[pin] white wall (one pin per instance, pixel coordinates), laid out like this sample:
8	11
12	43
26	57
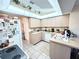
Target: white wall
74	20
60	21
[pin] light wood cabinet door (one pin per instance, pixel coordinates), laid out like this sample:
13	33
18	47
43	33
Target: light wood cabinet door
58	51
35	37
61	21
34	22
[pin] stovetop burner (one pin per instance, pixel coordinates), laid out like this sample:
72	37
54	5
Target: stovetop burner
9	50
17	57
13	52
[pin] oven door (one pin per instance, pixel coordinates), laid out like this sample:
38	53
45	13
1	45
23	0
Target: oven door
74	53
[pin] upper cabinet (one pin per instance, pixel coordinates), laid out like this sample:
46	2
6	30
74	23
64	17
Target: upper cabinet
34	22
61	21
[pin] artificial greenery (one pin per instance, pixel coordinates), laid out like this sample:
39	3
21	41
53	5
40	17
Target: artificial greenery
39	12
24	6
16	1
31	2
29	7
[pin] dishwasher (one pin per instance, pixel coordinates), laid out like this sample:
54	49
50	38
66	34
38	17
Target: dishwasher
74	53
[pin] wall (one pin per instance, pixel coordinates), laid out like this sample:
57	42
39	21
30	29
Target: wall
25	28
34	22
60	21
74	20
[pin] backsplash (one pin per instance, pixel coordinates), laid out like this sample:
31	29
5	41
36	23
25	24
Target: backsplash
48	29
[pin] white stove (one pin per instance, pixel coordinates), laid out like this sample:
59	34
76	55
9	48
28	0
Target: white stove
13	52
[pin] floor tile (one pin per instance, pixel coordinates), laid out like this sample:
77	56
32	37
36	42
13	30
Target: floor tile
38	51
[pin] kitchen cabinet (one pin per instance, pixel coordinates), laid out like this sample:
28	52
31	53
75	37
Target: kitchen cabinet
58	51
61	21
34	22
35	37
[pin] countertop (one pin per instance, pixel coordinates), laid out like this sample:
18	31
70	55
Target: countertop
73	43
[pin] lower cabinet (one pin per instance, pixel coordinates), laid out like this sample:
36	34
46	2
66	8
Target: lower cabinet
59	51
35	37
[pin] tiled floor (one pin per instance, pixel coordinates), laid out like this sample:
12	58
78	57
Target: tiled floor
38	51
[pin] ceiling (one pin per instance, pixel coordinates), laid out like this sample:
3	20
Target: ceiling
43	4
47	8
66	5
77	2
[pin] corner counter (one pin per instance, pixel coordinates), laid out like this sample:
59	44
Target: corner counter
60	49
